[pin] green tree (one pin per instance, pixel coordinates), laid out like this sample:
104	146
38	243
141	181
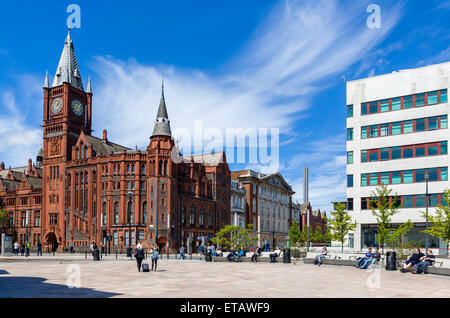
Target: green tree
317	235
340	224
295	234
235	237
4	220
440	222
383	209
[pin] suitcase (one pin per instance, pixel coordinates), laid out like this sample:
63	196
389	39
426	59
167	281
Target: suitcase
145	267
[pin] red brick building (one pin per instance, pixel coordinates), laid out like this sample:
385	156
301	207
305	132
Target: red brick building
93	189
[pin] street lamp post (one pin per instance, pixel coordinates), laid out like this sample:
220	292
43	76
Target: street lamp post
426	213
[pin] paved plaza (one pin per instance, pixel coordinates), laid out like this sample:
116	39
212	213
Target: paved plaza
192	279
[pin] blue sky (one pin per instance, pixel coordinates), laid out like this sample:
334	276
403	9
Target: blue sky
231	64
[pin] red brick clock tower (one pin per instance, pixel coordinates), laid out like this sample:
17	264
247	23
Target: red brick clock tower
67	112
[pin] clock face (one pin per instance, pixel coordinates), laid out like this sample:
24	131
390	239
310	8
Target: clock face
77	107
56	106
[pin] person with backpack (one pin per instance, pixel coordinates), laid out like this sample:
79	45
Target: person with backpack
155	257
139	255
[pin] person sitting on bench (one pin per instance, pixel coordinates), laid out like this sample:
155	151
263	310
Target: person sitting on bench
321	256
363	259
274	255
231	255
241	253
425	261
256	253
412	260
374	258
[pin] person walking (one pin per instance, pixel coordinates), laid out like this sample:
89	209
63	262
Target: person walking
155	257
182	254
16	248
91	248
139	255
22	250
27	248
39	249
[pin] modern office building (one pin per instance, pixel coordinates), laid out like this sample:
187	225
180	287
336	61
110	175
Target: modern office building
397	135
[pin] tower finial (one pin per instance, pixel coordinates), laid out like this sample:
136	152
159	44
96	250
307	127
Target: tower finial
46	81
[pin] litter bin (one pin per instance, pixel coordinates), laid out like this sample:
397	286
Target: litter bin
96	255
129	251
391	261
286	256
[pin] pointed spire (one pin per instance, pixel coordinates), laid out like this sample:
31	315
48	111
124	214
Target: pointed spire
162	123
46	81
67	70
89	87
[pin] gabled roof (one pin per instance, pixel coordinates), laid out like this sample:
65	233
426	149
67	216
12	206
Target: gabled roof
210	159
68	70
9	185
103	148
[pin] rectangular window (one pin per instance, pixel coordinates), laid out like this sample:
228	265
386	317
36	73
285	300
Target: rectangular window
349	111
350	181
396	177
432	98
363	155
408	127
373	156
396	128
350	134
420	201
432	151
432	174
373	108
408	201
420	125
384	130
443	121
384	106
420	151
407	153
408	176
396	103
432	123
444	174
364	109
384	178
407	102
443	96
363	180
443	147
363	203
420	175
364	132
396	153
373	179
350	157
420	100
384	154
373	131
433	200
115	238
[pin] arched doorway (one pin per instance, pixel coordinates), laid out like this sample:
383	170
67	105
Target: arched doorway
52	241
162	242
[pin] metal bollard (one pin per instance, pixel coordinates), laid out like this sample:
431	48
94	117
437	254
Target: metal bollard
145	254
191	257
85	254
116	254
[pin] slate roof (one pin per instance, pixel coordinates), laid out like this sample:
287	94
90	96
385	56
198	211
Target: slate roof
102	148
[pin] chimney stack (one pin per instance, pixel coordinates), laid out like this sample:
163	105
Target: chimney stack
29	166
105	136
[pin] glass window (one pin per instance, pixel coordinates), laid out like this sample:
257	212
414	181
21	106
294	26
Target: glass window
444	121
444	174
373	156
350	181
396	153
396	103
349	111
364	109
396	177
384	105
384	130
373	179
407	153
420	124
373	107
384	178
408	176
432	174
363	180
443	147
408	201
420	175
407	102
373	131
420	201
384	154
433	200
363	155
432	123
396	128
443	96
350	134
350	157
364	132
432	150
408	127
363	203
420	100
432	98
420	151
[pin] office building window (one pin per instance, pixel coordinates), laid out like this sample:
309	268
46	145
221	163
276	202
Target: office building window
349	111
350	134
350	157
350	181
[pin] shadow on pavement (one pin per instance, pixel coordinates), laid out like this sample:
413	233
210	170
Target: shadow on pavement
2	272
31	287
